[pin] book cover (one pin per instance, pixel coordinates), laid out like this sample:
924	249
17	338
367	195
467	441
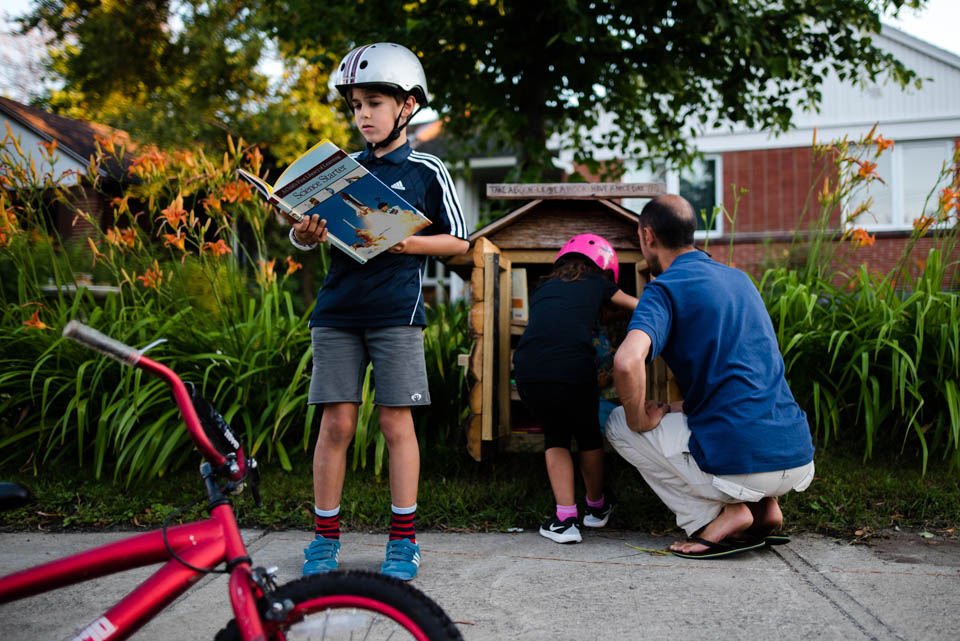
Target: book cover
519	304
364	216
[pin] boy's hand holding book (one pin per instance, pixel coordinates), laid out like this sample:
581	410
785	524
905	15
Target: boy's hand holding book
329	197
311	230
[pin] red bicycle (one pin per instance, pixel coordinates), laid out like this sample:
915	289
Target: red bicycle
338	605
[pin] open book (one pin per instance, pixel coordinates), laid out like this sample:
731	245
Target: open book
364	216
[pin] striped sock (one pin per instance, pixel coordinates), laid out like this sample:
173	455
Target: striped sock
327	523
401	523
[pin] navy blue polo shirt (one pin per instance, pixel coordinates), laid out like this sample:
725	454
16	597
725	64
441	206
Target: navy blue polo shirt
386	290
557	345
714	332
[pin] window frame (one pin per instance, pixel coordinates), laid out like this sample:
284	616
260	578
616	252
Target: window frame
897	191
672	181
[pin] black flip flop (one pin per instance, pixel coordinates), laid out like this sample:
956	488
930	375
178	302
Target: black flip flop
718	550
776	539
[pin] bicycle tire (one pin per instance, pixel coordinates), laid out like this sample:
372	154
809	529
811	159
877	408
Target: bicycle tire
358	600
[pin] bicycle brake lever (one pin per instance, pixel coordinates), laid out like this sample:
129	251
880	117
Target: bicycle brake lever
159	341
254	474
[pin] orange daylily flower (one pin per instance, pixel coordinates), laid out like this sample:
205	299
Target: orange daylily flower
867	169
153	277
293	266
949	199
861	238
883	143
123	237
109	144
96	251
122	204
265	273
922	224
49	147
255	160
185	157
218	248
175	214
35	323
212	203
8	218
150	161
175	240
237	191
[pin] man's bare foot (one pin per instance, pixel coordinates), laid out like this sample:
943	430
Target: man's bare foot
767	518
733	519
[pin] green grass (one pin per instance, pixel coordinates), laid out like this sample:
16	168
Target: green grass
849	498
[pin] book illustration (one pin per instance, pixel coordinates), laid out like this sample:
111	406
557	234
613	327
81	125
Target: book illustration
364	216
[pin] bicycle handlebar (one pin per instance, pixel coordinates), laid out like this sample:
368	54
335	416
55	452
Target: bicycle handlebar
97	341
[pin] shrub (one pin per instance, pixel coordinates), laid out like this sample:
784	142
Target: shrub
185	248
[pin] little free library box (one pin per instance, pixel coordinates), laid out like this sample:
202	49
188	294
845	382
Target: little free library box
506	260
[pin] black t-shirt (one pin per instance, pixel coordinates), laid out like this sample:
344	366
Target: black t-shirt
558	343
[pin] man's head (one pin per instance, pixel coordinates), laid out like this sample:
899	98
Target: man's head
666	226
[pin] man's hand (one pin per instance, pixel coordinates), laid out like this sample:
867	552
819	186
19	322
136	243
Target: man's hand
311	230
651	415
630	377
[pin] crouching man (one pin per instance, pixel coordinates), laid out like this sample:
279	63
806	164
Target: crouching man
741	440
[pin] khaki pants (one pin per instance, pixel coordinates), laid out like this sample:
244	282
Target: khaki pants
696	497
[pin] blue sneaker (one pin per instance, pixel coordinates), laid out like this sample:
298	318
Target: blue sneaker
403	559
322	555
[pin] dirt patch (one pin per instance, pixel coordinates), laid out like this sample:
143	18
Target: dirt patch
911	548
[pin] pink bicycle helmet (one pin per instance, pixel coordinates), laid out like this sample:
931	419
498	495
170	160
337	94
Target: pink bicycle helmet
594	247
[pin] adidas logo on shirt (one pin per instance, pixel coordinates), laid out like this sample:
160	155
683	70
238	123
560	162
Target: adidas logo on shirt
398	185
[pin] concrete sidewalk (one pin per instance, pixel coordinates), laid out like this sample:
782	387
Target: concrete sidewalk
522	586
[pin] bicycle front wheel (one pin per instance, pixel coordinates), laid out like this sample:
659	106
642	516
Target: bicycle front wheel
351	605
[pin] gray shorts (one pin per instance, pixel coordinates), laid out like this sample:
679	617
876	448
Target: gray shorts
341	355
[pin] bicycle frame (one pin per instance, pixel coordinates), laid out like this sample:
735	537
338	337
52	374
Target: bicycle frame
202	544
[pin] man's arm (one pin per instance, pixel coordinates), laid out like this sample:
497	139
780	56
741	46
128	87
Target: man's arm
630	379
438	245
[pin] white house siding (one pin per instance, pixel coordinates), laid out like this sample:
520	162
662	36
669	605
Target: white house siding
65	167
931	112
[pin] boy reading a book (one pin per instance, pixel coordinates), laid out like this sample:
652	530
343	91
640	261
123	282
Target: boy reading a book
374	312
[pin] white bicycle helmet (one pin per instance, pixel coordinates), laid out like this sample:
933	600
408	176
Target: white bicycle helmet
383	63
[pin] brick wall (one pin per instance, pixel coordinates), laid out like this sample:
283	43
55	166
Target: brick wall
879	258
85	198
777	182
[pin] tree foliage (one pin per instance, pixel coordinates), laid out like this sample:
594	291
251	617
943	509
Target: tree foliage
652	73
180	72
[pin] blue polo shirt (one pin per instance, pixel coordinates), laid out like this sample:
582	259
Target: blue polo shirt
712	328
386	290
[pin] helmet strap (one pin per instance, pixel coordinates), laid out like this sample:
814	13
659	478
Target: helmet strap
397	129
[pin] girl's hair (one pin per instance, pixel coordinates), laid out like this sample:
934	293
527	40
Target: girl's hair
573	266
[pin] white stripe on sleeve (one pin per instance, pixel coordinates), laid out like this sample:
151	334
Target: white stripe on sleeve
451	201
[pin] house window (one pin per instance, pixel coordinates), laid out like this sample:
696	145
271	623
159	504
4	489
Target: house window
911	172
700	184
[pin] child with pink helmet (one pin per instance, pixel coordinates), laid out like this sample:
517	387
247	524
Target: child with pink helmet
557	377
